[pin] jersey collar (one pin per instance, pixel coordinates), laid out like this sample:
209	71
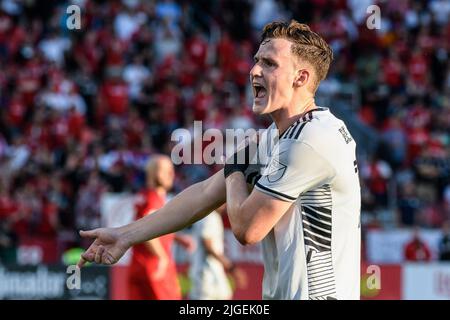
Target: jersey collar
306	117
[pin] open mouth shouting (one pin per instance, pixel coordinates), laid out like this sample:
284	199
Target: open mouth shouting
259	91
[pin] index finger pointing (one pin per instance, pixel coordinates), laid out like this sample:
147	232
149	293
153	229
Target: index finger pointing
81	262
89	234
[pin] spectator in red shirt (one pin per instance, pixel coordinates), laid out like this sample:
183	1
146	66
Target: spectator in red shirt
16	111
28	80
377	173
418	66
241	67
392	70
197	49
114	95
417	249
168	101
7	205
153	274
225	52
75	123
48	224
203	101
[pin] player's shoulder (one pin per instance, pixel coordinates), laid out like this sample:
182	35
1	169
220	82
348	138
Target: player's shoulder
148	192
154	198
316	127
323	127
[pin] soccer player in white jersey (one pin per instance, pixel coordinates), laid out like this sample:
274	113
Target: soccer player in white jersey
209	264
304	207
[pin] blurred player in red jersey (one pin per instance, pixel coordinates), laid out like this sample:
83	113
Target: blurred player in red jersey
153	273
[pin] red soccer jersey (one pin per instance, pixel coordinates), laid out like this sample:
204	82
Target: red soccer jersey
115	96
144	263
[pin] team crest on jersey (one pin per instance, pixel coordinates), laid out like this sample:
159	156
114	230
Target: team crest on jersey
275	170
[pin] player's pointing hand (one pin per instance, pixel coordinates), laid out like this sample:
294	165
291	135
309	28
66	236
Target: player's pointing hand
108	246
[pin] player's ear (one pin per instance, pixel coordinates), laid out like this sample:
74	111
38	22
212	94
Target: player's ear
301	78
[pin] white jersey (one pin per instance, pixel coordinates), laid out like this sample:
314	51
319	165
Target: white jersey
209	280
313	252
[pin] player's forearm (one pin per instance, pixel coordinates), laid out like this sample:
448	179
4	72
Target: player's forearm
191	205
237	193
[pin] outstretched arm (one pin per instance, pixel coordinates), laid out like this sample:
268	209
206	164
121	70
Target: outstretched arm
187	207
191	205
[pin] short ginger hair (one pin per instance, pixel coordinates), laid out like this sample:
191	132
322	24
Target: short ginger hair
306	44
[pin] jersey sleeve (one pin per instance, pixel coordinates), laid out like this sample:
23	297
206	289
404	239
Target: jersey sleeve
294	169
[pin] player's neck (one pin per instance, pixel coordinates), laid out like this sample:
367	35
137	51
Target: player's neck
160	190
285	117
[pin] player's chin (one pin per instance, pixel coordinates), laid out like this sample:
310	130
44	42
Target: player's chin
260	106
168	185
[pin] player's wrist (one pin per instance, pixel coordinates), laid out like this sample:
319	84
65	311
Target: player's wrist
233	166
127	237
238	162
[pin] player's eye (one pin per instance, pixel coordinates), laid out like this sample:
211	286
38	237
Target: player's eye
269	63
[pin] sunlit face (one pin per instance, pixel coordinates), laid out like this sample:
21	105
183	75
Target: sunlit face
165	174
272	76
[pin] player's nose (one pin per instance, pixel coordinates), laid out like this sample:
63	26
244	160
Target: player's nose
256	71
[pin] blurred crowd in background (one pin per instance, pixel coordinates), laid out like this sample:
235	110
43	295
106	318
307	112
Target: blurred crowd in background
81	111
